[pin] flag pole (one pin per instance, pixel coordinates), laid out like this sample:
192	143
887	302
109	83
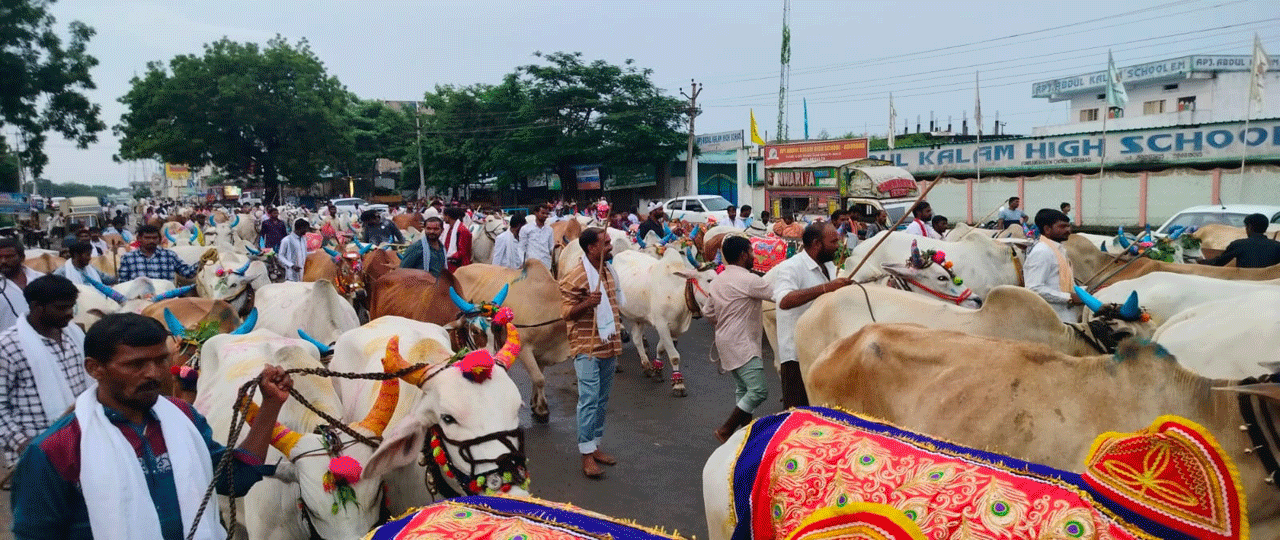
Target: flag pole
977	146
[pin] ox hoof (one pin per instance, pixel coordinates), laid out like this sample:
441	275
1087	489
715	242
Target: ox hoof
678	391
541	418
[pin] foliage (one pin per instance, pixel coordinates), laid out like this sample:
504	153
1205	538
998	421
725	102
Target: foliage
74	189
142	192
254	112
8	171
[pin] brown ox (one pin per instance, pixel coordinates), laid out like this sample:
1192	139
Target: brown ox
534	297
377	262
1029	401
415	294
404	221
1143	266
191	312
44	262
320	266
565	231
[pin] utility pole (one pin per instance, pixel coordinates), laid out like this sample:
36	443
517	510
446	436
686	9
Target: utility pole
694	89
422	177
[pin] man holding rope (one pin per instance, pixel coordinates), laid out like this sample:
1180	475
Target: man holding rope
127	463
1048	270
801	280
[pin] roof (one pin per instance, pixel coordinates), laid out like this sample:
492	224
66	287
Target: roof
881	173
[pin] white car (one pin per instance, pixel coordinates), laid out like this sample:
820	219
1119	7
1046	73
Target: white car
356	205
1229	214
696	208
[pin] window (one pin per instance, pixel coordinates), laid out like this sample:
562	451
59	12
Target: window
1102	96
1088	115
715	204
1117	112
1153	107
1171	86
693	206
1187	103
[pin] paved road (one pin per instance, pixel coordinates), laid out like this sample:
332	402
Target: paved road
661	441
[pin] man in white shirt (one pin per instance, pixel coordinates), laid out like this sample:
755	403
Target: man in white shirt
293	251
506	247
1048	270
537	241
799	281
922	224
77	268
734	220
15	278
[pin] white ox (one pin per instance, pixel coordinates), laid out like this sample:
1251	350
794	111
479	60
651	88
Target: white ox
1029	401
1007	313
272	509
314	308
483	238
96	300
475	421
232	278
1166	294
1227	338
658	294
981	262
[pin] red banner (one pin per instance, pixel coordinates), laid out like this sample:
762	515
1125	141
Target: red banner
778	155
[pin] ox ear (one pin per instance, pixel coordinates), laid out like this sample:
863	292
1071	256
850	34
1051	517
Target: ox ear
400	447
686	274
1272	366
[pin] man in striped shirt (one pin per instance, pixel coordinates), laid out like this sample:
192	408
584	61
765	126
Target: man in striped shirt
590	298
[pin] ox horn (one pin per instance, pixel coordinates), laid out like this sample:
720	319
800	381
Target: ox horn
325	350
330	251
282	438
172	241
212	223
1090	302
105	290
180	291
262	242
688	255
364	248
236	223
175	326
511	349
240	271
1130	310
640	242
1103	246
465	306
1176	232
383	407
1146	233
502	295
252	251
1120	237
393	362
248	324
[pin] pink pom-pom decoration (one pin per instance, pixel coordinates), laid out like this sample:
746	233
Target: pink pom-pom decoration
220	272
939	257
504	315
346	468
477	366
719	268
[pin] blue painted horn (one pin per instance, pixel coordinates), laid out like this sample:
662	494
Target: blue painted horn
252	251
364	248
180	291
262	242
502	295
1090	302
105	290
240	271
1130	311
640	242
236	223
1120	237
1146	233
330	251
1176	231
465	306
211	222
1103	246
325	350
248	324
172	241
689	256
175	326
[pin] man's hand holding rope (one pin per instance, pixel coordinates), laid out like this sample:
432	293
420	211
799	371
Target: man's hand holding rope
275	385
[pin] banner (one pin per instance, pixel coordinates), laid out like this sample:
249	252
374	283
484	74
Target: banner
624	178
719	142
15	203
778	155
179	173
588	177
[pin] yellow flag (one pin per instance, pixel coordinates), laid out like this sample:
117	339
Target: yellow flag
755	131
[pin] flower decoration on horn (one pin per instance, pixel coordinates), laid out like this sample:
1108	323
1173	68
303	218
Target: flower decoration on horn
477	366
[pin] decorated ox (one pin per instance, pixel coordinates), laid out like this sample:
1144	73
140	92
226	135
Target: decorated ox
564	232
1143	266
325	494
665	294
96	300
43	261
1008	313
534	296
982	263
497	517
179	235
1216	236
320	265
233	278
470	413
713	238
377	262
415	294
1223	339
483	239
816	473
572	251
1166	294
315	309
1031	402
191	322
404	221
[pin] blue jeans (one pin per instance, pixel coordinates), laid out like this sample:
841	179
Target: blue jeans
595	379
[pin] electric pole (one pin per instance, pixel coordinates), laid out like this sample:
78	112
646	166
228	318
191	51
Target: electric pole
694	89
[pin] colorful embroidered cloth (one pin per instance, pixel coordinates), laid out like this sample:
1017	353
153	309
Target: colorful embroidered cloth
500	517
1170	481
767	252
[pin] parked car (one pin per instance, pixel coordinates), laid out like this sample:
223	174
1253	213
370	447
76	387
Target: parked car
356	205
1226	214
696	208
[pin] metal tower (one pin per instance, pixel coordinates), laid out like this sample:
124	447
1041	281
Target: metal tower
784	77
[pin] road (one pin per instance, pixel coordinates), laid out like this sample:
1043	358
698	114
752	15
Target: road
661	441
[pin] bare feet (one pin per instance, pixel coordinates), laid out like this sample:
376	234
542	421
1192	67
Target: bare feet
590	467
723	436
603	458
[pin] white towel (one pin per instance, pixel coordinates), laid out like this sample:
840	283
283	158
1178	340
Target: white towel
451	246
604	311
114	488
51	382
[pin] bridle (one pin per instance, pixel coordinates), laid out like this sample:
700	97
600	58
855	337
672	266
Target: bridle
334	447
690	300
1260	425
957	299
509	469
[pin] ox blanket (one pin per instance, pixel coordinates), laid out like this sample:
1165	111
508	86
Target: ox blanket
502	517
809	473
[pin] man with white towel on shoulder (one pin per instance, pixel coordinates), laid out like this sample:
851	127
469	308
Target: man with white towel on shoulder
128	463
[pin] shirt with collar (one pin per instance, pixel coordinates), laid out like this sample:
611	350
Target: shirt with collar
16	304
22	414
538	242
506	251
1253	251
920	228
798	272
736	295
1040	273
160	265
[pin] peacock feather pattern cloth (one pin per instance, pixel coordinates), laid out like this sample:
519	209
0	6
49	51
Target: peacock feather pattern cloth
509	518
823	466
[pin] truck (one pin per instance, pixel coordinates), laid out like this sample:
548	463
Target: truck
84	210
869	186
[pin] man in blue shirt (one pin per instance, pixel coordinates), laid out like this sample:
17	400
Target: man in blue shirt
128	355
151	260
1012	215
413	256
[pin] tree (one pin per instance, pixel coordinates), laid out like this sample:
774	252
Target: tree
256	113
44	80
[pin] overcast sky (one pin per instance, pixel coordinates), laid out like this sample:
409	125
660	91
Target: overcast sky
846	56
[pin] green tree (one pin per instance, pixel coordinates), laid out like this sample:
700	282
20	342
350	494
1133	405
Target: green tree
8	170
43	80
377	131
260	113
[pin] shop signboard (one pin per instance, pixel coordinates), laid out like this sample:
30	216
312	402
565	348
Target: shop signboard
177	173
588	177
15	203
719	142
626	178
778	155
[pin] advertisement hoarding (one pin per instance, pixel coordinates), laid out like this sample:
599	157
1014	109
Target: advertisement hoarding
588	176
778	155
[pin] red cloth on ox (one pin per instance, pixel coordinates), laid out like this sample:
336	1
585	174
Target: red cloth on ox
503	518
315	240
767	252
1168	481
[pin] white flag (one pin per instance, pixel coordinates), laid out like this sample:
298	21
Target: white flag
1259	68
977	105
1116	95
893	121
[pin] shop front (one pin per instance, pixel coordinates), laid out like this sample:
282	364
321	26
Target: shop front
804	178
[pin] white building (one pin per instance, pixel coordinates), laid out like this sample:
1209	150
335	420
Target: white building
1183	91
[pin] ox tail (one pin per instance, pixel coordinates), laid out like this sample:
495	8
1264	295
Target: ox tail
282	438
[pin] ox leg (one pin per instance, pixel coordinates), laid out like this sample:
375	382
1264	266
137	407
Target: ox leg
637	339
537	381
669	345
